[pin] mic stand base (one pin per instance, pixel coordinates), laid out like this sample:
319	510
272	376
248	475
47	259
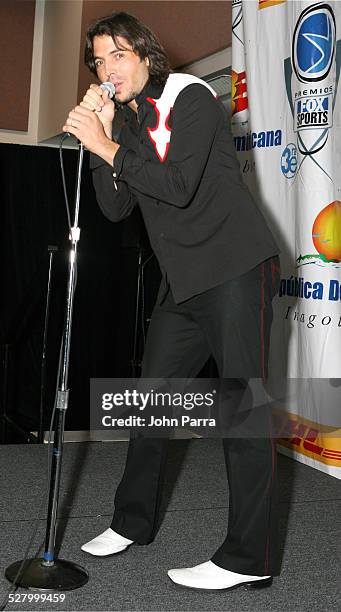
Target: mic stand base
61	575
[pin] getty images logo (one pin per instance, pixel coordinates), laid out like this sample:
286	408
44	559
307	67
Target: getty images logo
313	43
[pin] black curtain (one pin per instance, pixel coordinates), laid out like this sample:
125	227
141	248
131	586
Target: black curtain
32	218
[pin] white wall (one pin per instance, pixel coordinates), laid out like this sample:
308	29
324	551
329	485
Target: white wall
55	66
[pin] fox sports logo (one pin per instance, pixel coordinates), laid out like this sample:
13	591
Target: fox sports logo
314	43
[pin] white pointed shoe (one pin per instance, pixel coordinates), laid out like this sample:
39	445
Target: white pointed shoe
208	576
106	544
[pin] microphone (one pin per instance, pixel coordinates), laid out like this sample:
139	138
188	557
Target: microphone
109	87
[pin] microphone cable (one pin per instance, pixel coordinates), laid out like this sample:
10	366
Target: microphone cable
66	199
143	314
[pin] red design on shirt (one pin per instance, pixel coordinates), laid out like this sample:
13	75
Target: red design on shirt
161	133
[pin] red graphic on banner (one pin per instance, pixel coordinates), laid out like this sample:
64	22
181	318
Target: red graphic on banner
239	92
309	438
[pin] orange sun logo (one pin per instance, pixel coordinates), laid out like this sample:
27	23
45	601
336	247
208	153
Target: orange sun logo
326	232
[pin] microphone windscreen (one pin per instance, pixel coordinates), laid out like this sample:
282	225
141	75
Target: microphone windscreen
109	87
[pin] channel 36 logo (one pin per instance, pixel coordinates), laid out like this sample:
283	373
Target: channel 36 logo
289	161
313	44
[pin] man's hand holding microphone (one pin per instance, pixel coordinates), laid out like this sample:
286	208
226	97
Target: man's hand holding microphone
91	121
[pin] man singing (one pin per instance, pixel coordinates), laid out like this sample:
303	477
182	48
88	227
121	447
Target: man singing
175	159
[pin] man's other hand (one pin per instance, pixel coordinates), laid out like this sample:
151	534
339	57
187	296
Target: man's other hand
96	99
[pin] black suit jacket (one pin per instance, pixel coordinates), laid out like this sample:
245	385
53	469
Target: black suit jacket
202	222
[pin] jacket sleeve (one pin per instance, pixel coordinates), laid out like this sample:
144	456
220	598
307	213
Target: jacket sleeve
195	117
114	197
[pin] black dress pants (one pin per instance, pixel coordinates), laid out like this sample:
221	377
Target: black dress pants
231	321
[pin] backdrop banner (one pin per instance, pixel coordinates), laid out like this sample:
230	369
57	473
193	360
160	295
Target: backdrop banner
286	59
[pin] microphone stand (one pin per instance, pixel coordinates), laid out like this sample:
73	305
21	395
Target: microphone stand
50	573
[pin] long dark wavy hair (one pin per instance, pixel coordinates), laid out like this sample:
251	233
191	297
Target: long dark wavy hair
142	40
